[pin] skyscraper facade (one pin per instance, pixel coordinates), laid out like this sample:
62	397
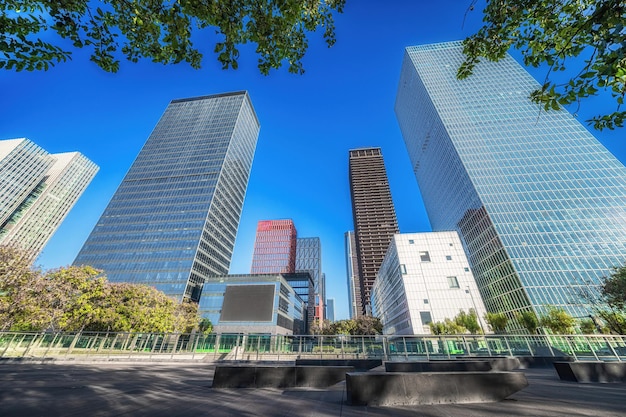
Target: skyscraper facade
539	203
373	213
309	259
34	221
352	272
330	309
37	191
274	247
23	165
173	220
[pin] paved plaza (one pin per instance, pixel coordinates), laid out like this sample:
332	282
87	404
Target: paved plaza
65	388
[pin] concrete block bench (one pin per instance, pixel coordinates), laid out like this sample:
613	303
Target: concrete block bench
268	376
456	365
590	371
541	361
401	388
439	366
359	364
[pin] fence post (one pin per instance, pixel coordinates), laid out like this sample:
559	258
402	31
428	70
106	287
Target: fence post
29	345
508	346
50	346
73	344
8	344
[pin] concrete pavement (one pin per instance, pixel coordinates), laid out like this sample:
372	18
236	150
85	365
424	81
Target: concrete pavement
65	388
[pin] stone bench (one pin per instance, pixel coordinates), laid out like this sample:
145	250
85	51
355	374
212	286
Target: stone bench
401	388
279	376
358	364
438	366
591	371
541	361
458	365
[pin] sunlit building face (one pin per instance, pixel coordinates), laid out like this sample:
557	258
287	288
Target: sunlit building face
539	203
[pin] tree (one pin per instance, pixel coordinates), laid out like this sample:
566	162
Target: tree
558	33
347	327
528	320
80	298
468	321
447	326
497	321
587	326
615	320
613	296
23	292
368	326
558	321
205	326
613	288
162	31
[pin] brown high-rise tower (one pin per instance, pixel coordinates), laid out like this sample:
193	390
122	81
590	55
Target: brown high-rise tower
374	216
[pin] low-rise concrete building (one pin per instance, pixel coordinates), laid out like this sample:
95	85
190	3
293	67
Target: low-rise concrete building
424	278
255	303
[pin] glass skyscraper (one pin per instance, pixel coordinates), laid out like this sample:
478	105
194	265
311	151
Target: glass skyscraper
173	220
352	268
37	191
23	165
309	259
539	203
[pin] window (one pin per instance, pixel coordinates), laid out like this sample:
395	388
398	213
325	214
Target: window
403	268
453	282
425	300
424	256
411	241
448	258
466	269
425	317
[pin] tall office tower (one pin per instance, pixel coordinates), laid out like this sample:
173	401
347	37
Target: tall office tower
309	259
274	247
35	220
330	310
352	271
374	216
23	165
173	220
539	203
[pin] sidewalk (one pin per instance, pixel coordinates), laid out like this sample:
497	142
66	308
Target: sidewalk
183	389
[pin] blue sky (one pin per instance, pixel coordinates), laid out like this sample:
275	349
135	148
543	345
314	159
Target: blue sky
308	123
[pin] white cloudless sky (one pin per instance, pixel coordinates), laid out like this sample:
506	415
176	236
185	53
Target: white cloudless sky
308	123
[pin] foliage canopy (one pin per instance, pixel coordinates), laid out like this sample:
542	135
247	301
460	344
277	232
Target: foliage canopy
613	294
587	35
497	321
558	321
160	30
361	326
460	324
80	298
528	320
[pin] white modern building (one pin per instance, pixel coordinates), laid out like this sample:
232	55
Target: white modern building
37	191
425	277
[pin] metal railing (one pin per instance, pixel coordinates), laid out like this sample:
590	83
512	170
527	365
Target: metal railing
216	347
